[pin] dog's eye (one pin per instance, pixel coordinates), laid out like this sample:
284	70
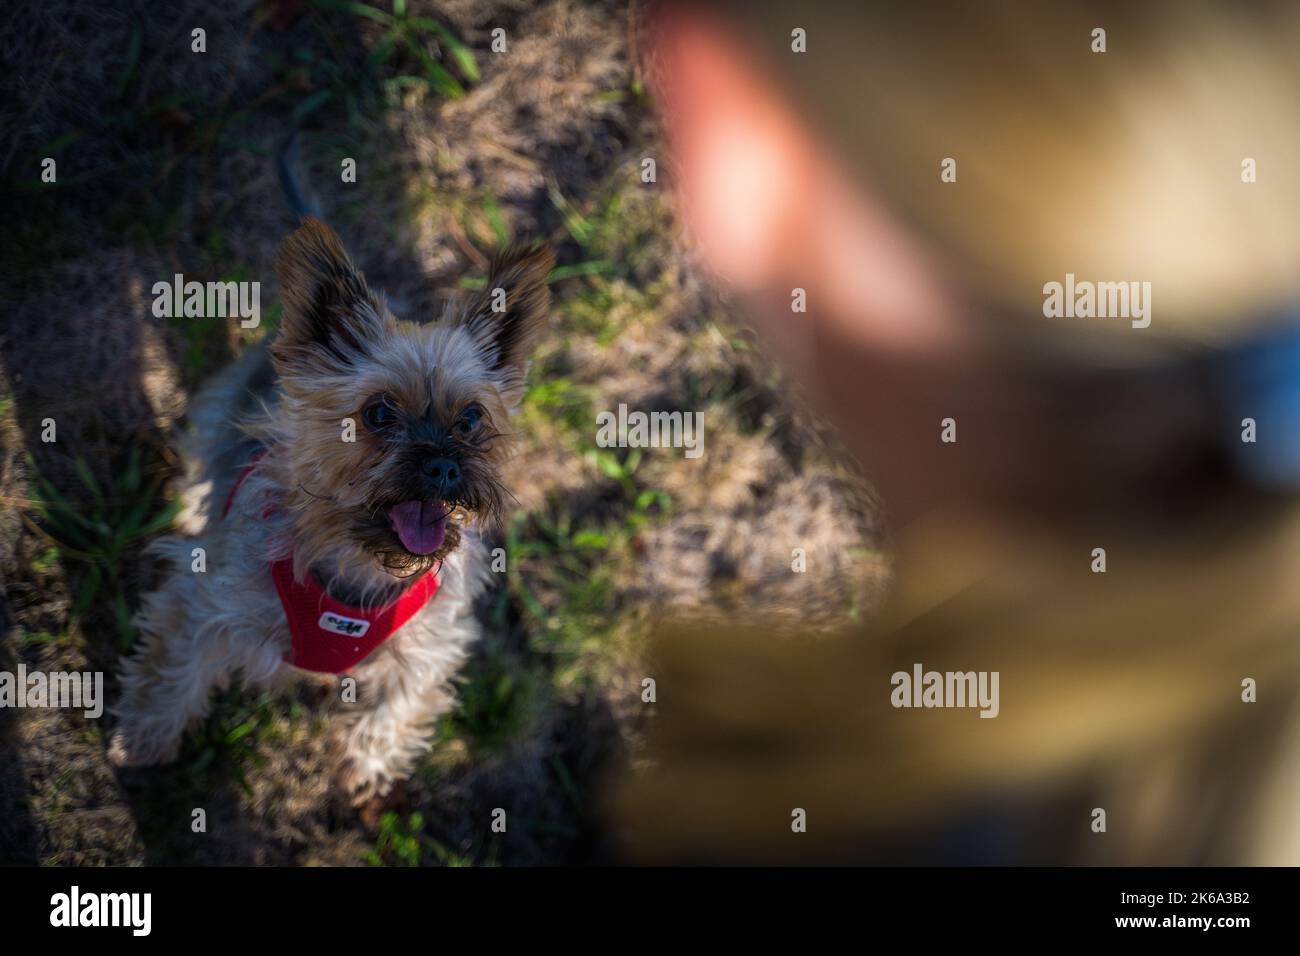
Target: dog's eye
379	415
469	420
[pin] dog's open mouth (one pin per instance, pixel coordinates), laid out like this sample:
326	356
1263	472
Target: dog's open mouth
420	525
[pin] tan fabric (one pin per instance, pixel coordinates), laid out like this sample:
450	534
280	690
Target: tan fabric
1114	682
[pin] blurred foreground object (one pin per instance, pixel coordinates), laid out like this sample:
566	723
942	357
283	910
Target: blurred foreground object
1098	673
1159	686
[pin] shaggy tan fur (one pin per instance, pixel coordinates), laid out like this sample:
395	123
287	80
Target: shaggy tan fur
322	498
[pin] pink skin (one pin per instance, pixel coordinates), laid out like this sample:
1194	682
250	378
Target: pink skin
885	347
421	525
771	209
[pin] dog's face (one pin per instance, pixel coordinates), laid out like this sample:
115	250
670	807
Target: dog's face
397	431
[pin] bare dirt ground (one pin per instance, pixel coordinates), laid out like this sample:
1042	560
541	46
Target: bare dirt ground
166	164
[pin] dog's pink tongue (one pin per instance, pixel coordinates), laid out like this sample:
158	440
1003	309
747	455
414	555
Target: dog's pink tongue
422	525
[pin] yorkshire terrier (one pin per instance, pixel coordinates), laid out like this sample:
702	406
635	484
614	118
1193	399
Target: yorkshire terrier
336	487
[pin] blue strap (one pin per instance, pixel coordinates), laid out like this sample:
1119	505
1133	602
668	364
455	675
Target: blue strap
1261	379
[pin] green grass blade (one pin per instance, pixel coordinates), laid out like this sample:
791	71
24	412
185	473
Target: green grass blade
87	592
311	104
592	267
88	479
460	53
134	45
363	10
162	521
130	481
497	221
439	78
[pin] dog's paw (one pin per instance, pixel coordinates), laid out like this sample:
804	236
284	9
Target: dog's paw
128	750
361	779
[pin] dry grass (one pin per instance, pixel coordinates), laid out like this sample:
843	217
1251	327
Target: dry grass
173	170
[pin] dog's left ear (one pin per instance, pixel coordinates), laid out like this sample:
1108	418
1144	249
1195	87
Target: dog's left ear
507	318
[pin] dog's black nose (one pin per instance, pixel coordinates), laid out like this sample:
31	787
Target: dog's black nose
444	473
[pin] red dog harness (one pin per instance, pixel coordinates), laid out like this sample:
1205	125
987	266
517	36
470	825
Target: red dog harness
329	636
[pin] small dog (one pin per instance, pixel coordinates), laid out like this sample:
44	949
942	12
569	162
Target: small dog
342	522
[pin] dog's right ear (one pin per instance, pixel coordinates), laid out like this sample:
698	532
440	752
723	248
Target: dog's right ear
329	312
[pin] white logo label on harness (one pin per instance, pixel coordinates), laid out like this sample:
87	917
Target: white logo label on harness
347	626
